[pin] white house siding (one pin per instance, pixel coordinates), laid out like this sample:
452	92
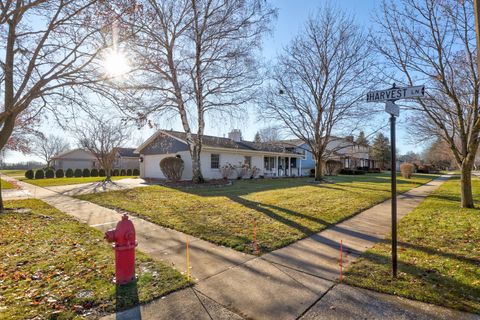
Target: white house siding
150	167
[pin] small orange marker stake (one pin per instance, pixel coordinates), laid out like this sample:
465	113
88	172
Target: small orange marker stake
341	253
255	245
188	261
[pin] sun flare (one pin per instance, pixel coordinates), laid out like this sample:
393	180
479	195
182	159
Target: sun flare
115	64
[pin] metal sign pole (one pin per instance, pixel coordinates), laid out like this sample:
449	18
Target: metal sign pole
394	195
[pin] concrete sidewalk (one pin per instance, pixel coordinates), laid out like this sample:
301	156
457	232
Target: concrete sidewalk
285	284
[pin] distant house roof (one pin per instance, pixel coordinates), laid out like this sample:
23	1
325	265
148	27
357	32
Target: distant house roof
219	142
64	153
127	152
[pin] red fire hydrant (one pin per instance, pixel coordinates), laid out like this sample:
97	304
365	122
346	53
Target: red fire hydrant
124	237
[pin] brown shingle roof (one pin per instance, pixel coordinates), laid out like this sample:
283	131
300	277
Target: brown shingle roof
219	142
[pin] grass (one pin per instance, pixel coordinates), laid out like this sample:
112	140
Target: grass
13	173
438	253
6	184
67	181
54	267
286	210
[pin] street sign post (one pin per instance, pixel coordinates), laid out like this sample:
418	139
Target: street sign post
389	96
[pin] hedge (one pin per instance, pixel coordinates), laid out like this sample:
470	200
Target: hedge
49	174
129	172
86	172
69	173
29	174
94	173
101	173
78	173
59	173
39	174
123	172
136	172
115	173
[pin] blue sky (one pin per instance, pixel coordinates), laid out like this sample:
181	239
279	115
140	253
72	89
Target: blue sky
291	17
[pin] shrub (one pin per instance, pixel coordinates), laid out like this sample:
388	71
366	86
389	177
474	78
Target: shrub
101	173
59	173
312	173
69	173
424	169
227	170
86	172
78	173
129	172
407	170
136	172
29	174
49	173
39	174
352	172
332	167
115	173
94	173
172	168
123	172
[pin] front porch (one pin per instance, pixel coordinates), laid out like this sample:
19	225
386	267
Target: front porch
279	166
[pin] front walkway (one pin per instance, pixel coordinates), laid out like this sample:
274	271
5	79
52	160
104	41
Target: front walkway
296	281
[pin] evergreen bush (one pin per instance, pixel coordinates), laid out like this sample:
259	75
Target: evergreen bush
69	173
94	173
129	172
39	174
115	173
101	173
78	173
136	172
49	173
123	172
29	174
59	173
86	172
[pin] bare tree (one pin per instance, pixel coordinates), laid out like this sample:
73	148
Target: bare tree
270	134
433	43
103	138
199	58
51	53
318	81
46	147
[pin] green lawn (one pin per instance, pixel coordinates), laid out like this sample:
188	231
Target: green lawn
14	173
54	267
6	184
439	253
286	210
66	181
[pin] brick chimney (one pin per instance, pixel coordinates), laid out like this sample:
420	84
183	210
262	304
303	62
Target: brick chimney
235	135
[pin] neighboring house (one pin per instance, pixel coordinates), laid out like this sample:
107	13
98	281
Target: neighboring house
351	154
127	159
271	160
81	159
74	159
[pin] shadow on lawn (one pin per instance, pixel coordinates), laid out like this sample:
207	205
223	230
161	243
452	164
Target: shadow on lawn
440	283
126	296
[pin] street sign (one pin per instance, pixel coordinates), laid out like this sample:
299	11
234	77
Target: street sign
389	96
393	94
392	108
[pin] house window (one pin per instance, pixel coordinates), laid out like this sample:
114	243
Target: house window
248	160
214	161
269	163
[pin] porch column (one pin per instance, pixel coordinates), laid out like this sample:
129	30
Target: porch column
290	166
299	167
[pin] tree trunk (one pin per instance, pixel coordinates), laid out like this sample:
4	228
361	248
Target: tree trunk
466	186
196	166
2	208
318	170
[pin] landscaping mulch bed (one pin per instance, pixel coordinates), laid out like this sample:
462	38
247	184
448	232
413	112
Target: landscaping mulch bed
190	184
